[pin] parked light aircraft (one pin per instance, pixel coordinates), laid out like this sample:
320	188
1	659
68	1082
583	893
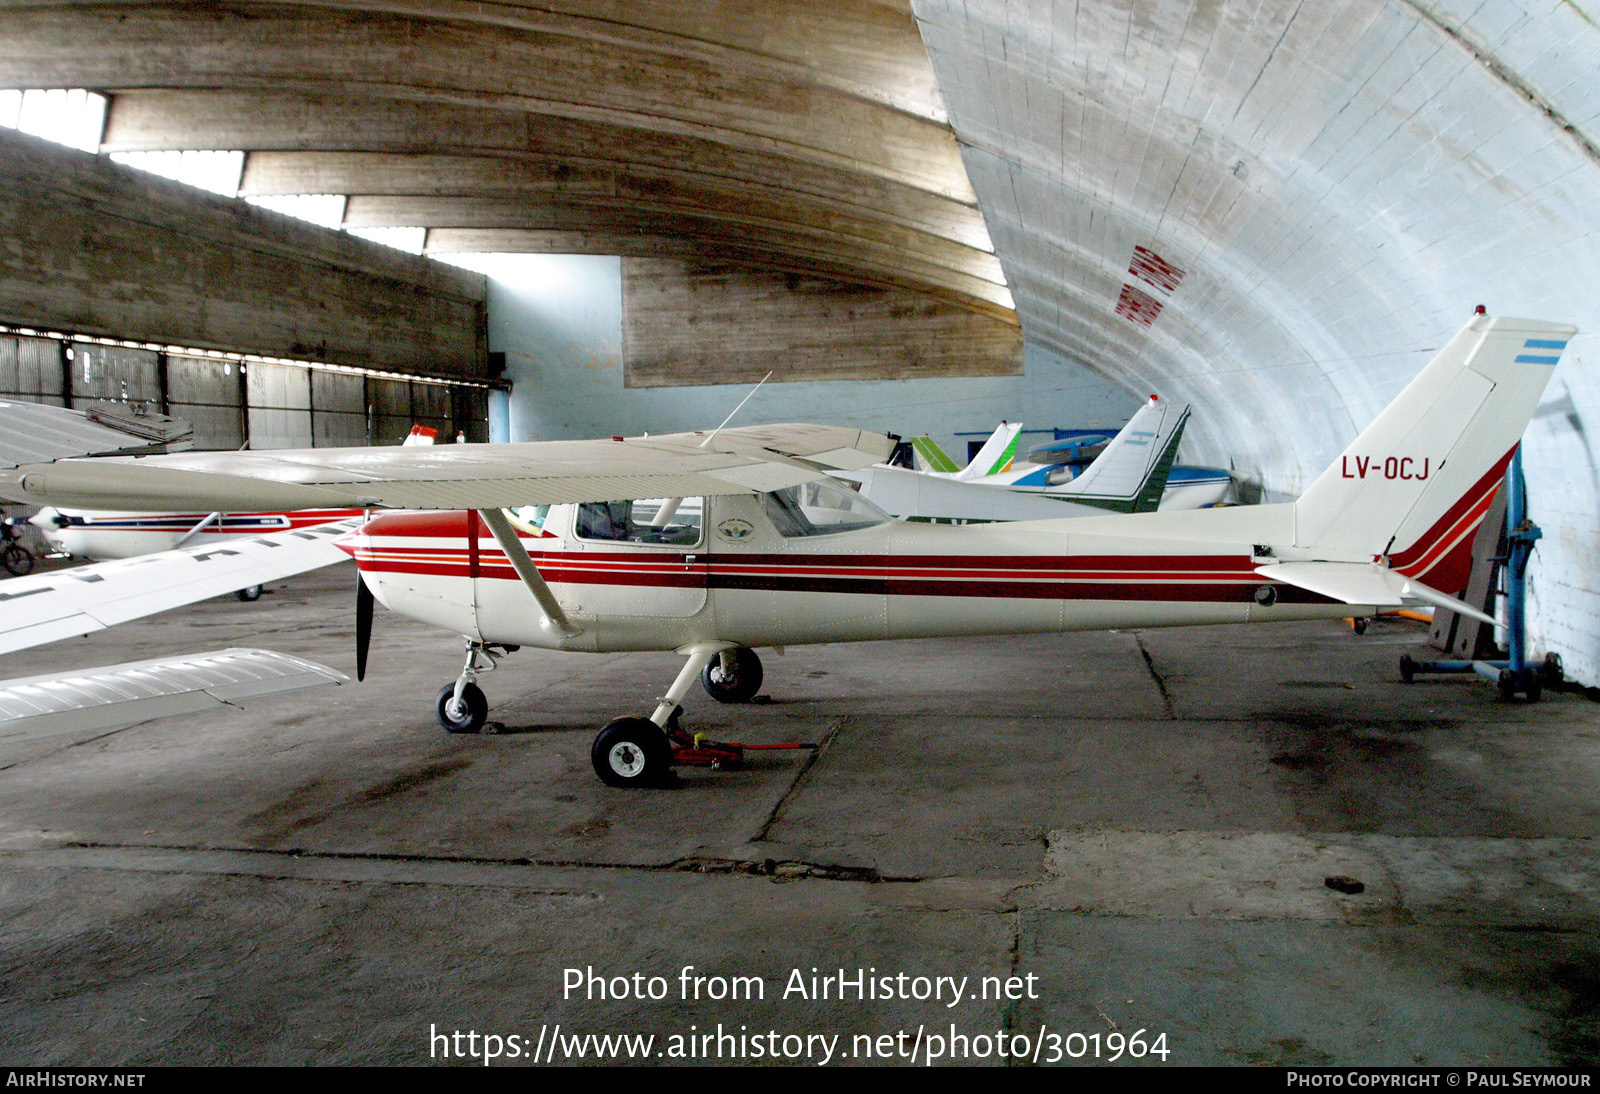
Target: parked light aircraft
1128	476
103	535
1049	470
778	555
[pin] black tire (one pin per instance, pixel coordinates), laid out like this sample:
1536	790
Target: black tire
631	752
17	559
249	594
1532	684
1408	668
1507	683
1359	624
472	698
1550	669
739	683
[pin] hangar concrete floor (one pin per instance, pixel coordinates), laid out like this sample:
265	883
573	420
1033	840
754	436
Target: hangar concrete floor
1142	821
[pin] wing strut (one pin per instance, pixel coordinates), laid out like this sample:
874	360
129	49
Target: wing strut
506	536
196	530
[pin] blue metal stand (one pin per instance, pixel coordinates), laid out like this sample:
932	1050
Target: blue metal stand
1514	674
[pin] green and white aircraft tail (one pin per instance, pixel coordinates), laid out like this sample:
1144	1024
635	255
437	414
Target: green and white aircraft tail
994	457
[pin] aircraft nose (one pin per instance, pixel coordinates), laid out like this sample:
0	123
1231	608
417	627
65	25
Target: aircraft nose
49	521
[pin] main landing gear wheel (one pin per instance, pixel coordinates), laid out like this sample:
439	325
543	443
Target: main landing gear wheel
469	717
631	752
732	676
249	593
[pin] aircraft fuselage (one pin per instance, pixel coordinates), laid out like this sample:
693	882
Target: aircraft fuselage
740	581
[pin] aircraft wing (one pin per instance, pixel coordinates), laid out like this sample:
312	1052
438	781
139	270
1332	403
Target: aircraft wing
47	607
746	460
121	695
35	432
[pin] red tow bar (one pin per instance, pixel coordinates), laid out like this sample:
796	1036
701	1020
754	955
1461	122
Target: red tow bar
697	751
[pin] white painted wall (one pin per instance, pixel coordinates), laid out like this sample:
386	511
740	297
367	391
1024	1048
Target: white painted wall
558	319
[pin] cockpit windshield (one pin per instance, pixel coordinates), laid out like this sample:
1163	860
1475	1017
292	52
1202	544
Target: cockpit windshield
820	509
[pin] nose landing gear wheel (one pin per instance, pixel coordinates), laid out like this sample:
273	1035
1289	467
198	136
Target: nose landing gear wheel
733	676
631	752
473	713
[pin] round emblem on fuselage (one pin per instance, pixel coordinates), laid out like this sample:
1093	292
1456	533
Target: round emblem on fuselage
733	530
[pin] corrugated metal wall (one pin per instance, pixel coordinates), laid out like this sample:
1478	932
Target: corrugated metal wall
232	402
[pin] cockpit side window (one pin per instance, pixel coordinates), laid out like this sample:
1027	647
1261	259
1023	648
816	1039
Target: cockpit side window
820	509
667	522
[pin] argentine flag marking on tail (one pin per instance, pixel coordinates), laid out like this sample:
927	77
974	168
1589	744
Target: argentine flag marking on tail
1541	358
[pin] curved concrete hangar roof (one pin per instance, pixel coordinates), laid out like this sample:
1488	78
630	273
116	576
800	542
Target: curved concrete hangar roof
785	133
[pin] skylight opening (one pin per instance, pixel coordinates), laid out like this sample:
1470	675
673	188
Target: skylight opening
324	209
214	170
70	116
410	240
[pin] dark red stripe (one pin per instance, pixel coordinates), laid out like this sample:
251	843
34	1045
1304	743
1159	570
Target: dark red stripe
1178	591
1430	539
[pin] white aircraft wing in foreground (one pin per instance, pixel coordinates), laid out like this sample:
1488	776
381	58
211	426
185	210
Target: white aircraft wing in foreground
47	607
87	700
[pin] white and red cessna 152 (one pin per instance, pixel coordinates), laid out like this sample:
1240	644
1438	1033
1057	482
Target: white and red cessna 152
714	544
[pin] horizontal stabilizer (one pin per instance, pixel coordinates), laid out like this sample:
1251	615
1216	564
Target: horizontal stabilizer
86	700
1365	583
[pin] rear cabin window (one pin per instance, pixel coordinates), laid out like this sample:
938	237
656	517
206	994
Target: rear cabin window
820	509
669	522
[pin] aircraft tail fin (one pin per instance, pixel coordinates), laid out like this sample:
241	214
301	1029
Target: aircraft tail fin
931	457
1131	474
1414	486
996	453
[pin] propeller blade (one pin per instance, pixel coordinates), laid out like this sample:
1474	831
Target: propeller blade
363	626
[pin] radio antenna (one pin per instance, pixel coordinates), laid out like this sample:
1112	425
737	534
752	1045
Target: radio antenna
736	410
